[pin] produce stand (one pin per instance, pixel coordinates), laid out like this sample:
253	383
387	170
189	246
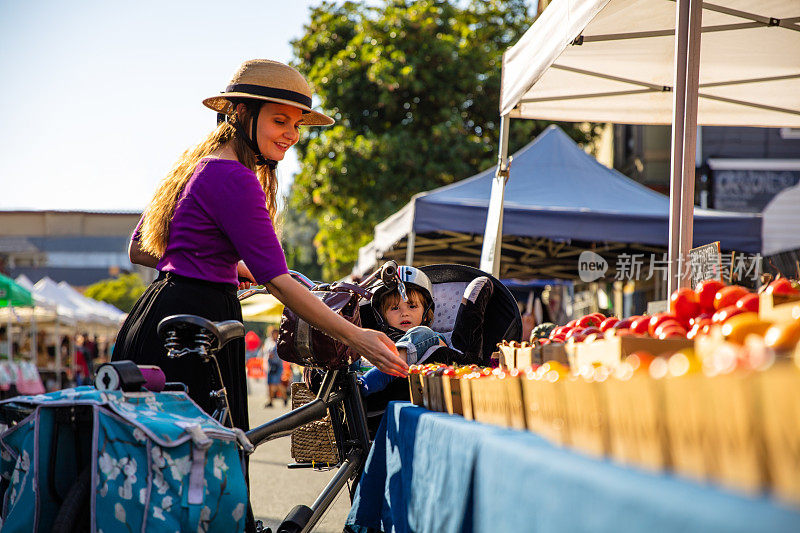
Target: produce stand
436	472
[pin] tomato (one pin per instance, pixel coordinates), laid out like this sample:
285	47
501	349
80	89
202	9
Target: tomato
782	287
656	320
588	320
669	325
724	314
705	291
625	323
572	323
700	317
727	296
640	325
748	302
573	332
608	323
600	317
683	304
672	333
542	342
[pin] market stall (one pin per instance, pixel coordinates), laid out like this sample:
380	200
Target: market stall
560	202
641	62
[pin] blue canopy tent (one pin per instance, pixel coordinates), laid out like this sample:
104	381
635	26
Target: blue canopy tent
560	202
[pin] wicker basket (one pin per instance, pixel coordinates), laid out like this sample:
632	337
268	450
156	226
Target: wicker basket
313	442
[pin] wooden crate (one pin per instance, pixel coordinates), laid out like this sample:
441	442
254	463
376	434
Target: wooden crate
735	434
637	432
545	409
779	392
686	412
587	416
555	352
415	389
611	351
778	308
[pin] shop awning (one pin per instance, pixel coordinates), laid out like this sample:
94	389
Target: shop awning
613	61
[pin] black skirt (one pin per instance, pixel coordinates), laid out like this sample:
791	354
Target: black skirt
172	294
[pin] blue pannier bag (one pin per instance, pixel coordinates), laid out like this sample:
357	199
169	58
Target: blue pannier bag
157	463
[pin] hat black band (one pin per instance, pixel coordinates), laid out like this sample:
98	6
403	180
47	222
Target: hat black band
269	92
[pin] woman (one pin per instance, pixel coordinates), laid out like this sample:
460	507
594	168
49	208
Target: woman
209	226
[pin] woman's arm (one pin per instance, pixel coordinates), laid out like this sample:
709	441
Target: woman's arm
373	345
139	256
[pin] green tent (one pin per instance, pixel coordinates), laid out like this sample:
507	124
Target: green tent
11	293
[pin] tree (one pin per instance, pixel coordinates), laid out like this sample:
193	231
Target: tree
121	292
414	87
297	233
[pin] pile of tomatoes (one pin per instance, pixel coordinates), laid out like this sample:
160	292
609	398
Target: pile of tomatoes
691	313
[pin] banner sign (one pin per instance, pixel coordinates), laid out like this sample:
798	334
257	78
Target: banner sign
705	263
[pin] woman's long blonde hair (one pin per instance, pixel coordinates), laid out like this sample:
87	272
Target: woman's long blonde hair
159	213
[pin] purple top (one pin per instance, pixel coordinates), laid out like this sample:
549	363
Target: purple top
221	218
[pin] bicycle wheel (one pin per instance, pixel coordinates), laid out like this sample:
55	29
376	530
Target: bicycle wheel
73	515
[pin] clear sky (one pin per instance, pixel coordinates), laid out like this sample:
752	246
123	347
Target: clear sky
99	97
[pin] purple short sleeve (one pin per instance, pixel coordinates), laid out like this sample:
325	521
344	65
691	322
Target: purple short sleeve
237	203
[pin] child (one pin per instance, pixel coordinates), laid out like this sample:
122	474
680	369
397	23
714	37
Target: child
407	323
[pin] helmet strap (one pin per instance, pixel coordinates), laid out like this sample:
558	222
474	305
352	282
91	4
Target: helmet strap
251	141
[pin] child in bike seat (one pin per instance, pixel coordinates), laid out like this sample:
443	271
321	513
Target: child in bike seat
408	324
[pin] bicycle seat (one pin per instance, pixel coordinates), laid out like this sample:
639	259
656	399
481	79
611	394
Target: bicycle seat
188	326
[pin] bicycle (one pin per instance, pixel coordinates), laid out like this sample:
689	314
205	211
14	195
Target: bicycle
338	394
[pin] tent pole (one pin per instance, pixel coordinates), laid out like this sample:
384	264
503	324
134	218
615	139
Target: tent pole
493	234
690	135
410	247
677	143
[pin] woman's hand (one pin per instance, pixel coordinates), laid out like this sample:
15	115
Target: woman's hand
373	345
376	347
245	276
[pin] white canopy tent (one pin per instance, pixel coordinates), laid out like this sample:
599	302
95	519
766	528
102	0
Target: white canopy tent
620	61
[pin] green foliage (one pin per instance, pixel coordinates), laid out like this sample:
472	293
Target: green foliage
297	240
414	87
121	292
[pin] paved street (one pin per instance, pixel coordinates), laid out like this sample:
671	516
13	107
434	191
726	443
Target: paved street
274	488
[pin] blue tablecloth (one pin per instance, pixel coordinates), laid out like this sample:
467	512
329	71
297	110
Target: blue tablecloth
432	472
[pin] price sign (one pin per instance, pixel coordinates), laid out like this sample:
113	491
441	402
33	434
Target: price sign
705	262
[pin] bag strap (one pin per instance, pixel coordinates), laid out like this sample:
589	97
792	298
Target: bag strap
350	287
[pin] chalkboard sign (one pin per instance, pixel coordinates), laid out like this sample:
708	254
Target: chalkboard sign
705	262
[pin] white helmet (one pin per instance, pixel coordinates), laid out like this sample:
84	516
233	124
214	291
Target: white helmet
408	277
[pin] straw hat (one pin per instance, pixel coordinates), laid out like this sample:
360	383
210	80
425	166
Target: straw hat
271	81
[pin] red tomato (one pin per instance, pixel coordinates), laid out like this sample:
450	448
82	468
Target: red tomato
748	302
623	332
672	333
625	323
724	314
607	324
782	287
587	321
600	317
656	320
705	291
684	304
701	317
542	342
573	332
727	296
669	325
591	329
572	323
640	325
693	332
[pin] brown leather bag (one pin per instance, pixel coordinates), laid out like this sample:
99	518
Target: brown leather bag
301	343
